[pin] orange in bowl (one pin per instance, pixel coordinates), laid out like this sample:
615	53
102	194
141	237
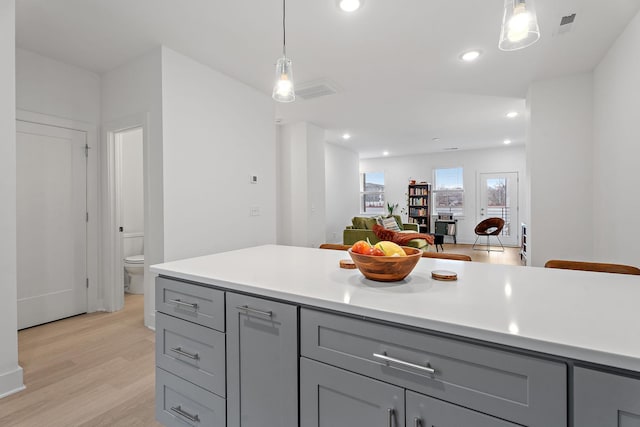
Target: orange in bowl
387	268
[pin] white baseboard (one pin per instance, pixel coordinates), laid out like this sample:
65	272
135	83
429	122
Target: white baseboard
11	382
150	321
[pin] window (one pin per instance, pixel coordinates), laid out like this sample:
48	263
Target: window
448	193
372	193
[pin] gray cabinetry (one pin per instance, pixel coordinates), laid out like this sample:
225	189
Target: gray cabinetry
192	352
605	400
194	303
180	403
523	389
331	397
423	411
262	362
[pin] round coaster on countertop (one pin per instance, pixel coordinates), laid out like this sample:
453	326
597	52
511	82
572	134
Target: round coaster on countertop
348	264
444	275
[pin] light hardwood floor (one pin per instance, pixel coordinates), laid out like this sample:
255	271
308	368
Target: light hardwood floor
510	256
90	370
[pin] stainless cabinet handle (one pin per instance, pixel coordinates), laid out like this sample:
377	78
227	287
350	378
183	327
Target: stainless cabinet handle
193	418
403	363
391	412
184	304
255	311
418	422
194	356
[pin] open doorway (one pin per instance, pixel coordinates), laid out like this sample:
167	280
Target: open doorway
124	225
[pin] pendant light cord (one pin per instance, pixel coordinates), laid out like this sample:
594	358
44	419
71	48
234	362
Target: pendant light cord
284	29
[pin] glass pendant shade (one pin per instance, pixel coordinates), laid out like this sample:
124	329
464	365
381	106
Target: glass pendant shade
283	90
519	25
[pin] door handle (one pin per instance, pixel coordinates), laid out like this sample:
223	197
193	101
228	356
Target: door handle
391	413
255	311
178	410
388	360
417	422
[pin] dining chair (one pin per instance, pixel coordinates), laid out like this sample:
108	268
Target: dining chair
593	266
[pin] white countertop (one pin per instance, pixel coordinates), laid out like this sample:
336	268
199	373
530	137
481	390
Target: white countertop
593	317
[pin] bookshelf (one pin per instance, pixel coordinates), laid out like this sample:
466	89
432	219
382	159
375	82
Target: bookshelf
523	243
419	204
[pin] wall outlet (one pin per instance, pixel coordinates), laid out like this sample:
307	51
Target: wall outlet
253	179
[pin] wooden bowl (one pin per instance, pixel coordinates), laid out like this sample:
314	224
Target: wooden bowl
387	268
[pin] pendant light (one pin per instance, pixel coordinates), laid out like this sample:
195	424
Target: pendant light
283	90
519	25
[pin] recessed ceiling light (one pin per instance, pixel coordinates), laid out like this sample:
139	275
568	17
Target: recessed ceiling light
435	139
470	56
507	141
450	148
385	153
512	114
346	136
350	5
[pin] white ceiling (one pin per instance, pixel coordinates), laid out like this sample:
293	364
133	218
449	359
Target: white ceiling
395	61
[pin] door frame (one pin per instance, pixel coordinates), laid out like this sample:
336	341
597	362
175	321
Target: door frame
112	271
94	301
515	227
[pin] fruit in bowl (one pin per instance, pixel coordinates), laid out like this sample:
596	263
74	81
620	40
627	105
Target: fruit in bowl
384	261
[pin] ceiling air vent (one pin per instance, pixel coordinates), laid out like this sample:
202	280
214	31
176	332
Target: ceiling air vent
316	89
566	23
566	20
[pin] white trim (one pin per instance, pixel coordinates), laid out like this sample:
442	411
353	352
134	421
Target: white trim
132	235
112	271
11	382
94	302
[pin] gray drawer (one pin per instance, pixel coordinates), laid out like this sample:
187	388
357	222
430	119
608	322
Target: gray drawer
192	352
180	403
426	411
194	303
519	388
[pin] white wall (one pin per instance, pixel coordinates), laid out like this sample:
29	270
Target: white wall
342	190
316	209
398	171
216	133
301	185
54	88
617	150
135	89
10	372
560	158
132	181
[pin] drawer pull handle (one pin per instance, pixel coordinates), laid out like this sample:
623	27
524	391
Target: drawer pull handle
403	363
184	304
418	422
193	418
248	309
181	352
391	413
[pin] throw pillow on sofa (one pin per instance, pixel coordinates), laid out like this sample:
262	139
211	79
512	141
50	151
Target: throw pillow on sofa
390	224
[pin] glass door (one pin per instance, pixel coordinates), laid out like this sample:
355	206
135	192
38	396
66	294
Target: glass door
499	198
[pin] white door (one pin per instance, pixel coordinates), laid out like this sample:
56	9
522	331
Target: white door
499	198
51	223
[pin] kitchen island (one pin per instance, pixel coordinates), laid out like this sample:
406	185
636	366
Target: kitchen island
501	346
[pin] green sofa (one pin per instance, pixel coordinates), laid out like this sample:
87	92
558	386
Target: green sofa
361	229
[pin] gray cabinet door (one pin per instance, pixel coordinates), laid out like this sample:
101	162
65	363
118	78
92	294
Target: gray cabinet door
332	397
262	362
605	400
423	411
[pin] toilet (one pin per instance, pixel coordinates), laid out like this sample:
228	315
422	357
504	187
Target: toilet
134	266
